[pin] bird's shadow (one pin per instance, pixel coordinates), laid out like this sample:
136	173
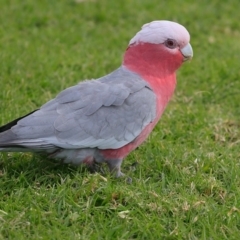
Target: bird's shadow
30	170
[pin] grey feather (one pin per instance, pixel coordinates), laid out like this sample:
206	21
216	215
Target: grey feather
105	113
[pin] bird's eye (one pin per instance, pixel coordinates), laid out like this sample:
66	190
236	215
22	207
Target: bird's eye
170	43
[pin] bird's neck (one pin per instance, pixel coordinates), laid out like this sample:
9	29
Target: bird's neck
155	65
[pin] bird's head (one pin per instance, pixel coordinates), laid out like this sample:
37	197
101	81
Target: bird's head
159	47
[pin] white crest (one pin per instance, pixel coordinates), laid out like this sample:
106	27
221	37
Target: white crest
157	32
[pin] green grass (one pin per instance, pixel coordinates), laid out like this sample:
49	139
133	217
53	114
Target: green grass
187	184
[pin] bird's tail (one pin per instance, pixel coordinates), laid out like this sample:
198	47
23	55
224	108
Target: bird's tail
8	141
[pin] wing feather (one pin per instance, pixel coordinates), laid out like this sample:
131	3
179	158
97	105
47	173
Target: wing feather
107	113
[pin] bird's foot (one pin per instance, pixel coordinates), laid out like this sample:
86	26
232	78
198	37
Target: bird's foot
115	169
96	167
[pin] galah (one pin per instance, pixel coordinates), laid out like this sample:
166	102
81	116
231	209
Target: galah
103	120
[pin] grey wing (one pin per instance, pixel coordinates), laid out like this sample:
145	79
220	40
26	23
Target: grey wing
99	113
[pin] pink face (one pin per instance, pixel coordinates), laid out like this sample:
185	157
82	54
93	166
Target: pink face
158	49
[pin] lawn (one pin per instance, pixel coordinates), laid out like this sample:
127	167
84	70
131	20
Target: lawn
187	182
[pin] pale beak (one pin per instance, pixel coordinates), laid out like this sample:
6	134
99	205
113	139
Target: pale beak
187	52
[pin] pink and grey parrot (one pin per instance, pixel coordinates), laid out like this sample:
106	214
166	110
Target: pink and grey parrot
103	120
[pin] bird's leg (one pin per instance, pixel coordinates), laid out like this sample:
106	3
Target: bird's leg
115	166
